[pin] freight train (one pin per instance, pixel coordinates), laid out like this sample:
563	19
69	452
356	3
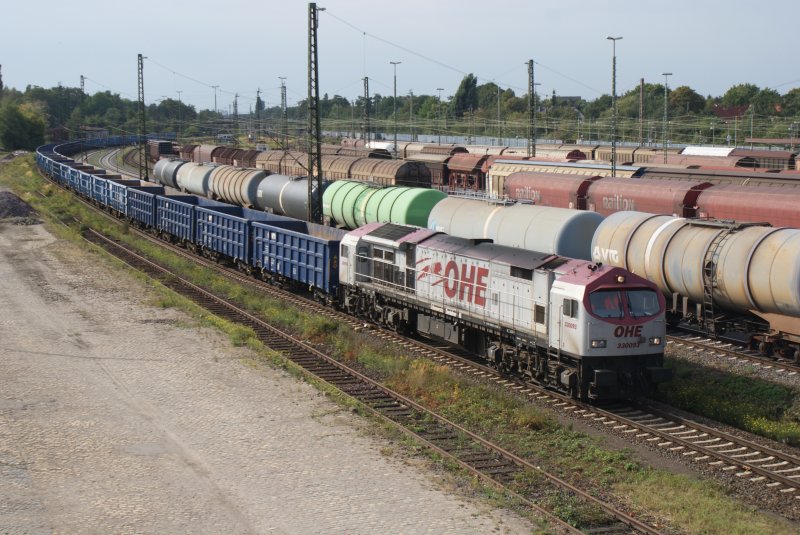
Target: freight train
568	232
584	328
723	192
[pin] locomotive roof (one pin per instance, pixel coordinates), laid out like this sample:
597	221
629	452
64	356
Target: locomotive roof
487	251
393	235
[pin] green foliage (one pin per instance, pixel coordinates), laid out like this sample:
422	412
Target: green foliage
684	99
21	127
751	404
740	95
701	507
471	110
791	103
466	97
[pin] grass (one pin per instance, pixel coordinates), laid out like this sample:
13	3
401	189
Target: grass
486	409
702	506
749	403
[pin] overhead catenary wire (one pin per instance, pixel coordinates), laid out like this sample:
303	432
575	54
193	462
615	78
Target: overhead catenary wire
365	34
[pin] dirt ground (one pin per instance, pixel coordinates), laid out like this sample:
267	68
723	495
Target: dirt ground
120	417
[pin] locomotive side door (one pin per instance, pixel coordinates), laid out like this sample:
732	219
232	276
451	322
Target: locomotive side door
542	281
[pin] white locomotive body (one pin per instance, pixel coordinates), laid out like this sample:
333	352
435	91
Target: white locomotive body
595	332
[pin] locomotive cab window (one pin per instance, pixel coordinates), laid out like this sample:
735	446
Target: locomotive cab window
643	303
607	303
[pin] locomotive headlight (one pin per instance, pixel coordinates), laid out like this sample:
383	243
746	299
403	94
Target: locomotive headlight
598	343
655	341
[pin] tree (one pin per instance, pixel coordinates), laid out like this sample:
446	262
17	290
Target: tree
466	97
791	103
767	102
487	96
686	100
21	127
740	95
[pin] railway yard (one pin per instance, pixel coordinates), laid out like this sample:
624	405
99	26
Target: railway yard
219	439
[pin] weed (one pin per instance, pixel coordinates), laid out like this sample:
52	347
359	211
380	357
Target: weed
749	403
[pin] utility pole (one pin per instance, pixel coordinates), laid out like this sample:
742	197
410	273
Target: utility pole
531	112
439	89
641	112
215	97
365	134
314	128
83	89
498	115
142	123
236	119
1	83
411	114
394	104
614	104
258	112
180	105
665	75
284	116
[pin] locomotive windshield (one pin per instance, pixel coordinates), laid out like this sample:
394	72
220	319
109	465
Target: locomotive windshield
607	303
613	303
642	303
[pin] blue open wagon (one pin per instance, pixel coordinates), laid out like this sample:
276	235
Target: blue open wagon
117	194
300	251
175	214
226	230
142	204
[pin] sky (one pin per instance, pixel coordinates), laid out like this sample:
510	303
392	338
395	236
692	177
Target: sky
242	46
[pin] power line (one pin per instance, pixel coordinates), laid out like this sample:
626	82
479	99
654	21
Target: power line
450	67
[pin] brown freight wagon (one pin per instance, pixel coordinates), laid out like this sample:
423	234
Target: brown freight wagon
466	172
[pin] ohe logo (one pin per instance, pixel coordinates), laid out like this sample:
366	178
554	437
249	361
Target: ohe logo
464	282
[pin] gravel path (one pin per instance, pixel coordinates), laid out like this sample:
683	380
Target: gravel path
120	417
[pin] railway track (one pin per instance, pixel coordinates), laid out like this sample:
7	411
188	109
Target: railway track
660	428
733	352
480	457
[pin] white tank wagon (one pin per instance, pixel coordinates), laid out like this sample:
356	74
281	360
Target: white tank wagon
547	229
193	178
286	195
711	269
165	171
235	185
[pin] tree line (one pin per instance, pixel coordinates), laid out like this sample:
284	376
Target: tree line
29	117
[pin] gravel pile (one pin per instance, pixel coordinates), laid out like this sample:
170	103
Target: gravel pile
15	210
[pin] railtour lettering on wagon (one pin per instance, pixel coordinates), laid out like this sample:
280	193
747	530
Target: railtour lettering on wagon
459	280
